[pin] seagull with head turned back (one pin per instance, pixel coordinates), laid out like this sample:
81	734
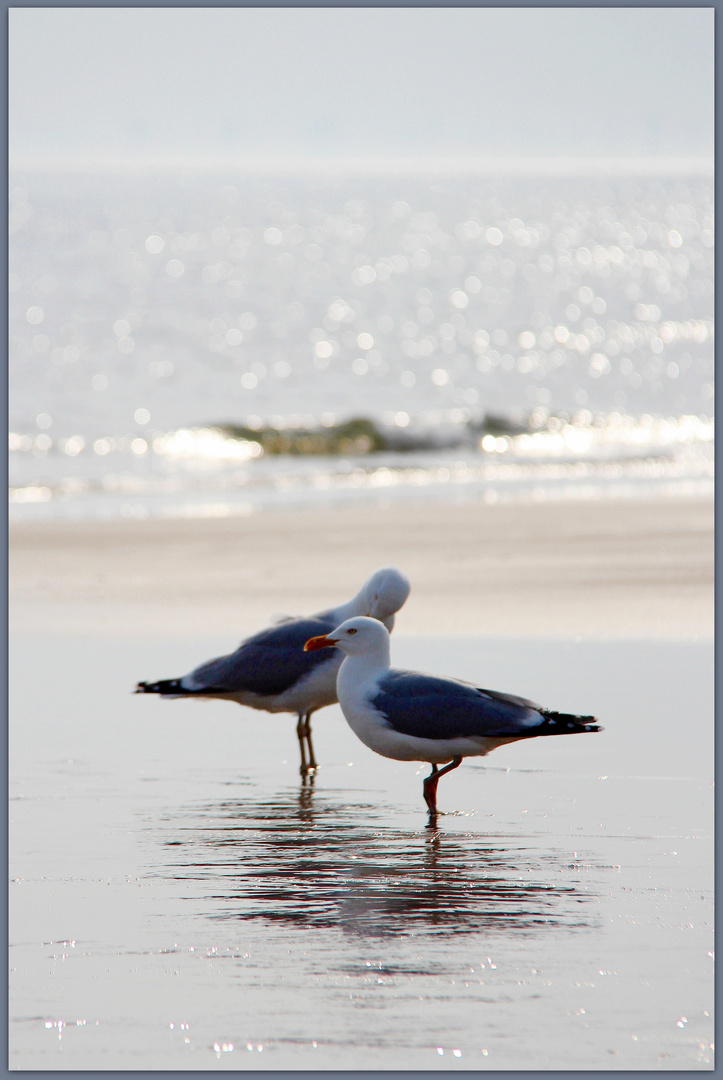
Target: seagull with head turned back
414	717
271	670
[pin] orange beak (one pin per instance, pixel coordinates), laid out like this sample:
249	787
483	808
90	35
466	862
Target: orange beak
322	642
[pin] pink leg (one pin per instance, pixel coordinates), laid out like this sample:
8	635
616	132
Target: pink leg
431	781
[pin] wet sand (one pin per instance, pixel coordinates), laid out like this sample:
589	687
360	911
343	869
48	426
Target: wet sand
181	901
615	568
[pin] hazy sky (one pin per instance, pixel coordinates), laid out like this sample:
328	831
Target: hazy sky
361	82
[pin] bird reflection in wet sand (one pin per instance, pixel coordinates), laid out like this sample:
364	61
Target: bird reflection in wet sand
306	860
306	792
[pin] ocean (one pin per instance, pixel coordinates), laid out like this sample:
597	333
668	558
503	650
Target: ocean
210	343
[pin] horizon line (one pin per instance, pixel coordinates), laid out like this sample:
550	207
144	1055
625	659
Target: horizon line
488	165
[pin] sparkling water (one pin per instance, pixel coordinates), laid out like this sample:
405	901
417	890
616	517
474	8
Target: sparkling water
534	334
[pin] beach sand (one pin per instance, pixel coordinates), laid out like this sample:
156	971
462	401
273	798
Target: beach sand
589	569
180	901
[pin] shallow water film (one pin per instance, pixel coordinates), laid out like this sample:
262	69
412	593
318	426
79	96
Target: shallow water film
181	900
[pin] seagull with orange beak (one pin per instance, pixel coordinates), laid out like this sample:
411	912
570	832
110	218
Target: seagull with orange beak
409	716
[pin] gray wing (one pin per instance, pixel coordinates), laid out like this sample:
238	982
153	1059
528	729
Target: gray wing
430	707
268	663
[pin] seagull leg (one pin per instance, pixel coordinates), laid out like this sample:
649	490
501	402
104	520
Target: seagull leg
431	781
430	789
300	734
307	735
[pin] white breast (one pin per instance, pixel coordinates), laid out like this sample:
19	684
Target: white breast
357	688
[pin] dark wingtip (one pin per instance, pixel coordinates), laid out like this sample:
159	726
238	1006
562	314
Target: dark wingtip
146	688
568	723
164	686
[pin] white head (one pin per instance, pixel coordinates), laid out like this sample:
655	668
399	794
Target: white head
384	593
360	636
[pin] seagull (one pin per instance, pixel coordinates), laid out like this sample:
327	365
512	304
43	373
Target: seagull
414	717
270	670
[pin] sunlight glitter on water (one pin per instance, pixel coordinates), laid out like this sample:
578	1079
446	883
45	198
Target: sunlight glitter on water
586	311
473	294
590	457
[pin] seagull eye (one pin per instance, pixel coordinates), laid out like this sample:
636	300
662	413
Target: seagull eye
351	631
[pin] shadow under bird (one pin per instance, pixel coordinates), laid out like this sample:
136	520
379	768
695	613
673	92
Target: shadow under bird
414	717
271	670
